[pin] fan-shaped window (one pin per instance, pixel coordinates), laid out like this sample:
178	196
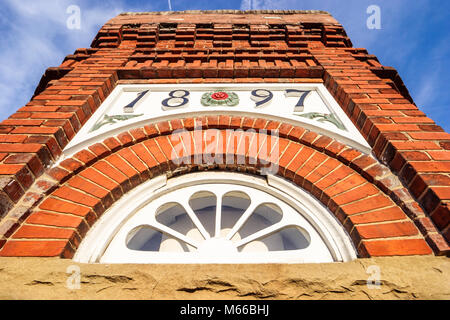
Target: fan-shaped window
218	222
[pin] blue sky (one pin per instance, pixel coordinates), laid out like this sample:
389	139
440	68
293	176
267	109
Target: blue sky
414	38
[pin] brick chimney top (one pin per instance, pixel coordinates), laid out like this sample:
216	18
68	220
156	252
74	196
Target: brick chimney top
226	16
230	12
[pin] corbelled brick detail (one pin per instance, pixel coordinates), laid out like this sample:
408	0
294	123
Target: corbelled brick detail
226	46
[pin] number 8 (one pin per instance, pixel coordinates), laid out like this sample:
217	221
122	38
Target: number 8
179	100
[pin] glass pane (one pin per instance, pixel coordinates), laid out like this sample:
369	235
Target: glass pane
264	216
146	238
204	204
234	204
175	217
290	238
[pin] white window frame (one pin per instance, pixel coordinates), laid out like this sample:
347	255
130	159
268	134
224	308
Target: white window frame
100	244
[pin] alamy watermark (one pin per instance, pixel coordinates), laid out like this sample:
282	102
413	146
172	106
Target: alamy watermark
74	19
374	280
374	20
227	147
73	281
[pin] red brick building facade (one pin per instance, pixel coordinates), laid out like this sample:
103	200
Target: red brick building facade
393	201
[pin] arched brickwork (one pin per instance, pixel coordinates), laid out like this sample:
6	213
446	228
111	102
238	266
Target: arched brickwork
343	179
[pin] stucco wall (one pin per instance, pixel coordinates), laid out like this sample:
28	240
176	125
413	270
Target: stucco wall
411	277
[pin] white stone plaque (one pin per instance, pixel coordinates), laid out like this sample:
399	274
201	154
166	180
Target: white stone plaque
135	105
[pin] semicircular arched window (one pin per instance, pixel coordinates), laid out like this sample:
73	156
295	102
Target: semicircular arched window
214	218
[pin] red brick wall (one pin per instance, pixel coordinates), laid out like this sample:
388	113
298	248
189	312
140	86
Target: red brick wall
42	218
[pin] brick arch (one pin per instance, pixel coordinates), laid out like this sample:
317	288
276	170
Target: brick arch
342	178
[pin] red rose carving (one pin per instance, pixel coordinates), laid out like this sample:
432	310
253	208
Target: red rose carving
219	95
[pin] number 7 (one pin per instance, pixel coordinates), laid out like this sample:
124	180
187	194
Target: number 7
302	94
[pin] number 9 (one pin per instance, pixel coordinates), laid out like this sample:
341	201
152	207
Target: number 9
262	97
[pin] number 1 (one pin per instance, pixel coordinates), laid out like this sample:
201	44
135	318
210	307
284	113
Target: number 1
129	108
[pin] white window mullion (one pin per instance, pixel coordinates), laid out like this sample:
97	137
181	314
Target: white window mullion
242	220
195	220
260	234
218	215
164	229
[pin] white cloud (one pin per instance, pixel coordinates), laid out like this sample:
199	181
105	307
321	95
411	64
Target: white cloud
259	4
38	38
